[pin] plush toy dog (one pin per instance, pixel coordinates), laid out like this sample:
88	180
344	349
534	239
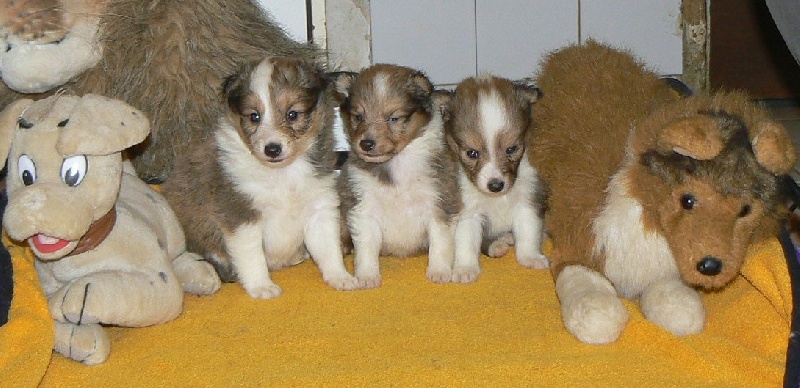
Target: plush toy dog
109	249
651	195
167	58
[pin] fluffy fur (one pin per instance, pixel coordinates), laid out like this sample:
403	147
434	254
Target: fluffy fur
399	188
489	122
109	250
652	195
167	58
260	194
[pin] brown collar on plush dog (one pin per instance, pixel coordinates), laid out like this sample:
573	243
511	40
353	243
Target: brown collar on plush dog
97	232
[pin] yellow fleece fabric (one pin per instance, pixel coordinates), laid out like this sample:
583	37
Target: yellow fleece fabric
504	330
26	340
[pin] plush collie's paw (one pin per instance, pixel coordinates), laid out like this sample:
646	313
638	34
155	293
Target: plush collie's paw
674	306
538	261
264	291
595	318
88	344
196	275
343	282
465	274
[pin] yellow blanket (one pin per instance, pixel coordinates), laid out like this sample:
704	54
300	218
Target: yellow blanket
504	330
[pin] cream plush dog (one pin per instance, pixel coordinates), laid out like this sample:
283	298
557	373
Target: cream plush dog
109	249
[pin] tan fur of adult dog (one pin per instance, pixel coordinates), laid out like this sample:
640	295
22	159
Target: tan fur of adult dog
652	195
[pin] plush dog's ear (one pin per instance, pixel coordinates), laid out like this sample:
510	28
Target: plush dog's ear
773	147
9	119
698	137
102	126
341	81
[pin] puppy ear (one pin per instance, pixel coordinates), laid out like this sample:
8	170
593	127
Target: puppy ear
102	126
527	89
698	137
773	147
233	87
9	120
341	81
441	100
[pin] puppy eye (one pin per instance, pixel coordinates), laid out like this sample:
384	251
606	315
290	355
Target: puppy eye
255	117
292	115
746	209
395	119
511	150
473	153
688	201
359	117
73	169
27	170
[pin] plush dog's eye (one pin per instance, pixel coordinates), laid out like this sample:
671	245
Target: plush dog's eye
746	209
688	201
511	150
292	115
27	170
73	169
255	117
473	153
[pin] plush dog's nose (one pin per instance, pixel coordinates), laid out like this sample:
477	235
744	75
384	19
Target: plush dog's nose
495	185
709	266
273	150
367	144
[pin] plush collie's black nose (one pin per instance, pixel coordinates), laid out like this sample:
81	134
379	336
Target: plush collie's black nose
495	185
709	266
273	150
367	144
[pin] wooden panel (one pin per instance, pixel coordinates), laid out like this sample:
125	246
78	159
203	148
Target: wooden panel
747	52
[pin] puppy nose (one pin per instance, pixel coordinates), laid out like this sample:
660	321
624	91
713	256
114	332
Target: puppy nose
495	185
709	266
367	144
273	150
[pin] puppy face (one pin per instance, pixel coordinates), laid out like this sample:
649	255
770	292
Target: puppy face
276	105
487	121
384	107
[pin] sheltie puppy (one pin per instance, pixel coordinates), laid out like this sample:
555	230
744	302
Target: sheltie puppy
260	193
399	186
487	122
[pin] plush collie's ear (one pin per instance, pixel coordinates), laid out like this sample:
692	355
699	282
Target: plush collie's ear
698	137
773	147
342	81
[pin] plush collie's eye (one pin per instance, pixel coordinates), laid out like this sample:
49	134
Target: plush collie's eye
746	210
292	115
473	153
73	170
688	201
255	117
511	150
27	170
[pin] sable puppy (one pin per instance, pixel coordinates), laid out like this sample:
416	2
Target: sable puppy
487	123
260	194
399	190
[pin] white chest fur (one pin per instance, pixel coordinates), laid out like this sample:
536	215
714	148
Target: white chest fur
634	258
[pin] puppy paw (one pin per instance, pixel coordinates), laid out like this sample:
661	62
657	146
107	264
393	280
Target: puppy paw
196	275
369	281
439	275
464	274
343	283
501	246
264	291
537	261
88	344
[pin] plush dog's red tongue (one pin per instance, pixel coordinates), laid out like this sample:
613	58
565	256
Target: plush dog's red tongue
47	244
